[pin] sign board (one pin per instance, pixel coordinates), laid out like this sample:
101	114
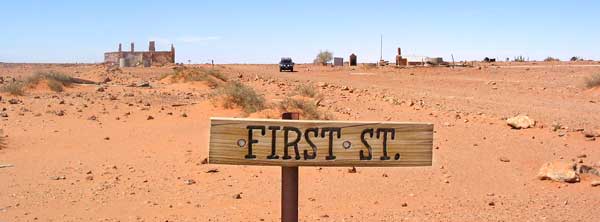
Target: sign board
319	143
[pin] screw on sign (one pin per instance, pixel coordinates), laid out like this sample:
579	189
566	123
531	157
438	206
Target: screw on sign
294	143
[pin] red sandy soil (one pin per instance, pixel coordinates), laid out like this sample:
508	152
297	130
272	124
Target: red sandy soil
103	160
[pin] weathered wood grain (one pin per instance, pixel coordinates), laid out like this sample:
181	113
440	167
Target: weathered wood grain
412	143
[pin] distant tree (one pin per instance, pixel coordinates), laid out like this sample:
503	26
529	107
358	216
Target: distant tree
324	57
519	59
551	59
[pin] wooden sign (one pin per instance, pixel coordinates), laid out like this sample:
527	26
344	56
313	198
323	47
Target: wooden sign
319	143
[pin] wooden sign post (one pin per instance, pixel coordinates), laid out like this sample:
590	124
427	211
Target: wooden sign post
293	143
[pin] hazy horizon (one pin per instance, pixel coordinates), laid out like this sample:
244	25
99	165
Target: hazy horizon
262	32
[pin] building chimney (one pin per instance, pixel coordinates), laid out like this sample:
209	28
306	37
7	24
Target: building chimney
132	47
172	54
399	51
120	47
151	47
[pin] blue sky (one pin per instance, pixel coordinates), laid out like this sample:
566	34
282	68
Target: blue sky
263	31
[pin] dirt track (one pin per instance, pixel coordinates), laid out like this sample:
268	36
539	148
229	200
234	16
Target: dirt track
120	166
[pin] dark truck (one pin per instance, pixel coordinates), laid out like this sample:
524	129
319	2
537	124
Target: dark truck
286	64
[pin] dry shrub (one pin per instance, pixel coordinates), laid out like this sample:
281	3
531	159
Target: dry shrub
305	90
55	86
212	77
14	88
56	81
51	76
307	108
593	81
237	94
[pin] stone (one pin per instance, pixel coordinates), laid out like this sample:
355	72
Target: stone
14	101
150	118
504	159
58	178
595	183
588	170
189	182
143	84
100	89
520	122
237	196
589	133
559	171
352	170
213	171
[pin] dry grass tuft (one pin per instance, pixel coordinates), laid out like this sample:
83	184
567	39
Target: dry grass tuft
306	90
212	77
237	94
51	76
14	88
307	108
55	86
593	81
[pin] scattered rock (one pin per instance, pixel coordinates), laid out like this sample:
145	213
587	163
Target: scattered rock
6	165
100	89
590	133
595	183
520	122
352	170
89	177
184	115
213	171
143	84
237	196
559	171
492	203
58	178
588	169
150	118
204	161
189	182
404	204
504	159
14	101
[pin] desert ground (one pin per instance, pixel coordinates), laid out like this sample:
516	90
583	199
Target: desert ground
134	146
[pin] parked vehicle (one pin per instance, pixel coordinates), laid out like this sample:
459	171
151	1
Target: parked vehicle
286	64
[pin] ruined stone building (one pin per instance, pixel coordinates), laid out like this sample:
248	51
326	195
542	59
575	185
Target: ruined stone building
145	58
